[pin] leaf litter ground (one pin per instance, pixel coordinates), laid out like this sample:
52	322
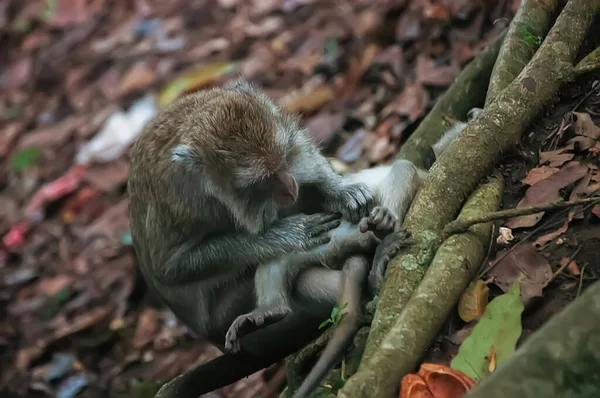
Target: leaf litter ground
76	320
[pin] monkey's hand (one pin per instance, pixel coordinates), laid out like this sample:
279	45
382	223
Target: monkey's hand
381	221
389	247
306	231
354	201
247	323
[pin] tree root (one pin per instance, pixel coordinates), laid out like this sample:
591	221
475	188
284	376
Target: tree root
560	360
527	29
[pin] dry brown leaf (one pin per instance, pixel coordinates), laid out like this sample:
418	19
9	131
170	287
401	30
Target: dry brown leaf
436	381
51	286
412	102
526	263
596	211
8	135
146	328
473	301
505	235
556	158
322	127
547	191
108	176
538	174
584	125
82	322
542	240
307	100
139	76
429	73
572	266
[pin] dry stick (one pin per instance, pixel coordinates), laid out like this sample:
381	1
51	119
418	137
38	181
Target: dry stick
581	280
462	225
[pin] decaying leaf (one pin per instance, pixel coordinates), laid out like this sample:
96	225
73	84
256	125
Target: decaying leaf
436	381
147	327
584	125
505	235
525	263
500	327
546	191
538	174
195	79
473	301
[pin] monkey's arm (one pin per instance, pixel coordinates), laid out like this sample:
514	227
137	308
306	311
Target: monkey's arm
203	259
322	189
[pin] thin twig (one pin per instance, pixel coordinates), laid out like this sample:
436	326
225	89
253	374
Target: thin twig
462	225
581	279
566	264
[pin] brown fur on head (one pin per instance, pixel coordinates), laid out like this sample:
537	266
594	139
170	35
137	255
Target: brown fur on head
233	141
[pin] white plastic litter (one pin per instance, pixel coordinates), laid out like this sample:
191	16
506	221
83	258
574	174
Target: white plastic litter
118	132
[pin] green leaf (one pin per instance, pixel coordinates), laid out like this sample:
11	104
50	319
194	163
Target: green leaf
324	323
25	159
500	328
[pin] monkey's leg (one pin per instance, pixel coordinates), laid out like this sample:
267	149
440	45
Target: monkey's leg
353	278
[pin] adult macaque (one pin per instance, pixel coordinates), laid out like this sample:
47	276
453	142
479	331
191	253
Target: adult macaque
222	184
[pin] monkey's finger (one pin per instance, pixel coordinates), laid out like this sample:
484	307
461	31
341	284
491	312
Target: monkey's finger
319	240
363	226
379	215
325	217
323	228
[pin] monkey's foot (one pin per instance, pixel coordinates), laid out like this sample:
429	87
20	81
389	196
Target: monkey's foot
381	221
247	323
389	247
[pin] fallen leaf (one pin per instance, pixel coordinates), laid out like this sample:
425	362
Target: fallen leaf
596	211
322	127
547	191
195	79
25	159
8	135
82	322
429	73
412	102
108	176
409	26
500	327
307	99
473	301
19	73
556	158
146	328
53	285
140	76
436	381
526	263
542	240
505	235
584	125
572	266
538	174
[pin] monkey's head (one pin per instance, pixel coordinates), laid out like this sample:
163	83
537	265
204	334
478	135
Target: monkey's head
242	144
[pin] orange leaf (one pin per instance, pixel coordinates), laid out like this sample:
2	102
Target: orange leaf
473	301
413	386
436	381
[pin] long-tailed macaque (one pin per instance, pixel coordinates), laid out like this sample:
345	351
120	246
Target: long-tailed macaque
224	183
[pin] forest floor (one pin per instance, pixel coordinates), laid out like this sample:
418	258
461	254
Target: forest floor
75	319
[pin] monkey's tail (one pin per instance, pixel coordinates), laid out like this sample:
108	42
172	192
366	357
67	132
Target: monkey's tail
331	355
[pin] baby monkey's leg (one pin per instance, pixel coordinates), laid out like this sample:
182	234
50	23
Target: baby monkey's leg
350	283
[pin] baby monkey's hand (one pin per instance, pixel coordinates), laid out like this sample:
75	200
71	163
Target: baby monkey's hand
354	201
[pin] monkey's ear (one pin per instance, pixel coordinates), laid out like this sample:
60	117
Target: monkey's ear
186	156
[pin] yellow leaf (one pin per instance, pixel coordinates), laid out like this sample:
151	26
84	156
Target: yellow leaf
473	301
195	79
